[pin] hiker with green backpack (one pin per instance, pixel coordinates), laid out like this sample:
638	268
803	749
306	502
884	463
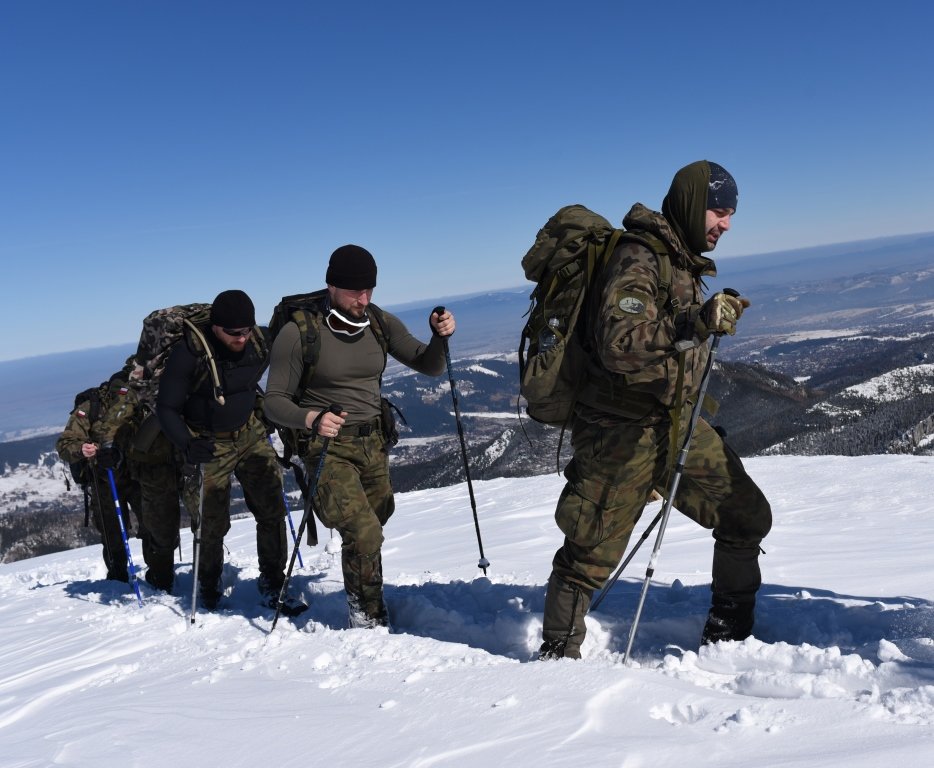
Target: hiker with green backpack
207	408
96	439
330	349
620	358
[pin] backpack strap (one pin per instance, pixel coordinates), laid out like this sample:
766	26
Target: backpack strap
309	328
195	340
381	332
94	412
658	247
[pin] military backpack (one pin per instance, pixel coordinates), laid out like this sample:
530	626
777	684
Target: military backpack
568	252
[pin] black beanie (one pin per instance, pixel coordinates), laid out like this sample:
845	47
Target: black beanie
233	309
351	267
721	189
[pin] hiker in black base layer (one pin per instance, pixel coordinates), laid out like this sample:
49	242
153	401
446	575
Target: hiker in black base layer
636	398
221	432
354	492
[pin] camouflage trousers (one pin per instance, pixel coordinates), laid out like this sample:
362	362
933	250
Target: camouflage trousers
159	473
104	517
354	495
248	456
610	478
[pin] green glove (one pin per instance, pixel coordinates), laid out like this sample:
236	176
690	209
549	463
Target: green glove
719	314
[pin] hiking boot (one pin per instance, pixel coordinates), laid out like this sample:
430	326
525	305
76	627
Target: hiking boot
209	597
118	574
158	583
552	650
270	589
361	618
563	626
728	620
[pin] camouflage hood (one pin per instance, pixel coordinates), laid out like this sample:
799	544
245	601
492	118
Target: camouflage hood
685	205
640	217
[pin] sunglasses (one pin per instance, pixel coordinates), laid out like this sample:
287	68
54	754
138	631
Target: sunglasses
238	332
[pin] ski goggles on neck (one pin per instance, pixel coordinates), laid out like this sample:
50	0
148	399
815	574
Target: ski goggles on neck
239	333
355	326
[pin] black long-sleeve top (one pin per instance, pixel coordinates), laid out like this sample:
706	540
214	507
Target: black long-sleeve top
186	391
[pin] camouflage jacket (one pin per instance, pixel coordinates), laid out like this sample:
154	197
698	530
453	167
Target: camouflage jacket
116	422
633	367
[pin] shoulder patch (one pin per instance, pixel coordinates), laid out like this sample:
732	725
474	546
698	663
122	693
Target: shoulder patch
631	305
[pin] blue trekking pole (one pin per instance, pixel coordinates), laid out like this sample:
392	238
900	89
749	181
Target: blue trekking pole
483	563
312	487
132	570
288	513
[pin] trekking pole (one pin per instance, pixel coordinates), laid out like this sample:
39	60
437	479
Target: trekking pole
622	566
100	509
288	513
483	563
672	490
132	570
196	543
312	487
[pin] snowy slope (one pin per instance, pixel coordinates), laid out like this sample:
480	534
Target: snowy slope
841	672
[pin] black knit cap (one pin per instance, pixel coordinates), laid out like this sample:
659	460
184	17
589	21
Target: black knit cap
233	309
351	267
721	189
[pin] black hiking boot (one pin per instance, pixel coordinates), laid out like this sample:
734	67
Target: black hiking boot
209	595
117	574
728	620
551	650
156	583
270	589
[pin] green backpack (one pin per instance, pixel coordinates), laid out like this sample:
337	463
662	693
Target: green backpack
567	254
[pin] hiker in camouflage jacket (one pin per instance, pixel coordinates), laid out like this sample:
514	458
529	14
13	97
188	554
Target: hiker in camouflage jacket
354	491
225	438
98	435
632	408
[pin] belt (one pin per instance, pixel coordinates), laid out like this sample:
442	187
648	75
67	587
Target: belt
231	435
360	430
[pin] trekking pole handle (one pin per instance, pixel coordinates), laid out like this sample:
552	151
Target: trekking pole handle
333	408
439	310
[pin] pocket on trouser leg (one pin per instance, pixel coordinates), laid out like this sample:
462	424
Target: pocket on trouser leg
581	521
332	504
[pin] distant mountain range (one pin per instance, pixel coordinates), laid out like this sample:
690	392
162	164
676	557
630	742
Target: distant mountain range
798	297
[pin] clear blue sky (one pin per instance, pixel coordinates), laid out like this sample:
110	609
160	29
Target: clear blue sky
154	153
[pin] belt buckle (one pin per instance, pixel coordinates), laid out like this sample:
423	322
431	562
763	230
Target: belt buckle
365	430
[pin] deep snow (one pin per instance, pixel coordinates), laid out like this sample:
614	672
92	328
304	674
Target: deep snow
840	672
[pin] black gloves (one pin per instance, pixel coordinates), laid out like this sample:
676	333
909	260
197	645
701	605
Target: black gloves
108	456
200	451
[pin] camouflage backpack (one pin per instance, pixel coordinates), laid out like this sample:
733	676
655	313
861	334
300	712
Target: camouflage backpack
306	310
162	328
567	254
